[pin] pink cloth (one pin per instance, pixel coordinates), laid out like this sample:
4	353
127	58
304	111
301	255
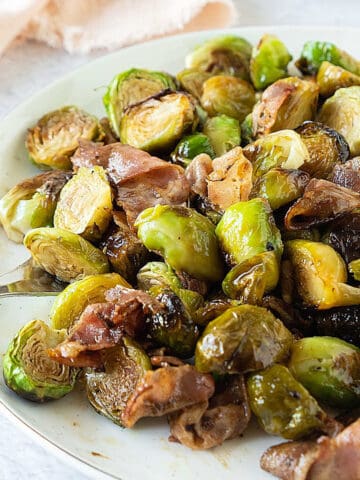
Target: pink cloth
83	25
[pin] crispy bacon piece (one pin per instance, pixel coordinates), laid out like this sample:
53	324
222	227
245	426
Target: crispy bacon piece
167	390
141	181
335	458
197	173
348	174
322	202
210	423
231	179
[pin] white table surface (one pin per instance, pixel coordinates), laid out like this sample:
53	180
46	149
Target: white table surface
24	70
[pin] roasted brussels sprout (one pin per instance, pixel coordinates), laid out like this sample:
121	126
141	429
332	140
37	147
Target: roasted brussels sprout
285	104
247	130
282	405
223	133
329	368
85	204
269	61
331	77
53	140
319	274
283	149
251	279
344	235
109	388
224	94
242	339
326	148
247	229
186	239
64	254
354	268
73	300
227	54
155	277
189	147
131	87
342	113
123	249
192	79
280	186
31	203
156	124
314	53
29	371
342	322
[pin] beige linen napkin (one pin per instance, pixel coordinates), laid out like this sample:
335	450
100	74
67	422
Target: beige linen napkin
83	25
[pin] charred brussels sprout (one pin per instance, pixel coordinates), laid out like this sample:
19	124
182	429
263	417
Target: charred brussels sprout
72	301
343	235
314	53
280	186
192	79
282	405
319	275
285	104
354	268
56	135
109	389
247	130
131	87
186	239
326	148
342	113
331	77
242	339
224	94
342	322
269	61
85	204
29	371
329	368
251	279
283	149
64	254
247	229
189	147
223	133
31	203
159	122
227	54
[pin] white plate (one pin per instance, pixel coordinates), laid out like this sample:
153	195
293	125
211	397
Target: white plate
69	426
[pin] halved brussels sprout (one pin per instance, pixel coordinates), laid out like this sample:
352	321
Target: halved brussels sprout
85	204
354	268
247	229
242	339
64	254
131	87
159	122
223	133
314	53
109	388
228	54
331	77
189	147
319	274
326	148
185	238
71	302
282	405
269	61
29	371
285	104
280	186
342	113
224	94
31	203
192	79
283	149
251	279
329	368
247	130
55	137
